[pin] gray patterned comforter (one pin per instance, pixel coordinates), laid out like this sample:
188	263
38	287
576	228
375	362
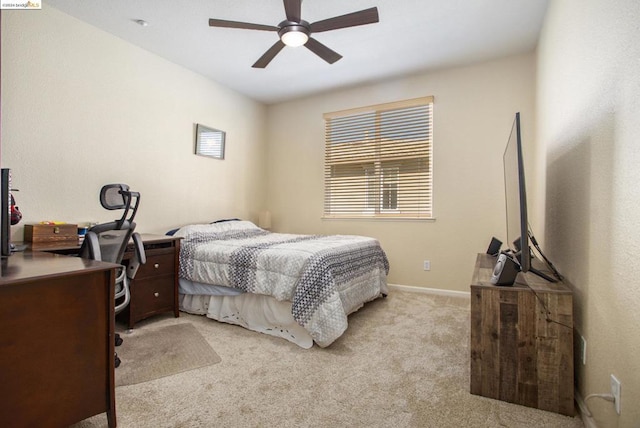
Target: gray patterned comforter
325	277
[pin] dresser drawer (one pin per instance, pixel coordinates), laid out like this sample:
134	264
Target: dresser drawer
154	290
151	296
156	265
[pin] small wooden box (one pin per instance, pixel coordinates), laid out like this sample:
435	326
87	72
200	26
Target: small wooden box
41	234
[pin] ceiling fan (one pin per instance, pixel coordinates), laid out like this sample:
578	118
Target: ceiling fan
294	31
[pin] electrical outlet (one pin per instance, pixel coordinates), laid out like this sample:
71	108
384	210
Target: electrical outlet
583	350
615	391
427	265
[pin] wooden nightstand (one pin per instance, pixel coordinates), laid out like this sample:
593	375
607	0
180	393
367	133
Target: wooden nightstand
155	287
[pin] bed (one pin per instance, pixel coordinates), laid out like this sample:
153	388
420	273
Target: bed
298	287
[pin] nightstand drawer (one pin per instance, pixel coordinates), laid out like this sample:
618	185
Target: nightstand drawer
157	264
152	296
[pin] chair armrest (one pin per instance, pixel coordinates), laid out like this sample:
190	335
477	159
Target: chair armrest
91	247
139	256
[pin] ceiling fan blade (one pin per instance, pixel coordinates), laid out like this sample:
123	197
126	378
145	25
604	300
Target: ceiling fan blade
322	51
293	10
269	55
242	25
367	16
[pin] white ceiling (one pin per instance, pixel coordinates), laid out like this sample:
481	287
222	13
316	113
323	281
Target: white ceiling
412	36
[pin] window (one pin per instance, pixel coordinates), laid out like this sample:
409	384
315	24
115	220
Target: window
378	161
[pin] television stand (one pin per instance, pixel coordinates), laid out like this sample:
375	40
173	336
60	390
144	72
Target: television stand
522	340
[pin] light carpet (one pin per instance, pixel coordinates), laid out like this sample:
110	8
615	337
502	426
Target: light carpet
149	354
403	362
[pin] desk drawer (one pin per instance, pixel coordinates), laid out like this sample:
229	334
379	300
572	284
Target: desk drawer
151	296
157	264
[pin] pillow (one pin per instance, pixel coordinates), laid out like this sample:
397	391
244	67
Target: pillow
173	231
227	219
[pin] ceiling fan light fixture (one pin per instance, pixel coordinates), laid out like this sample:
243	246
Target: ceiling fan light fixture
295	31
294	35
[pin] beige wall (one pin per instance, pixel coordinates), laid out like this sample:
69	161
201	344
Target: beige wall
589	119
473	112
81	108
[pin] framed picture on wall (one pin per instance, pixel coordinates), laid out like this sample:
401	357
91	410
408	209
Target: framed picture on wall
210	142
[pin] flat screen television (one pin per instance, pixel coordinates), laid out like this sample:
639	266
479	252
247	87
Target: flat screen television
5	215
518	234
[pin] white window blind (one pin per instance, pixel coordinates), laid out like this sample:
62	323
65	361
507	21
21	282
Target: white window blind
378	161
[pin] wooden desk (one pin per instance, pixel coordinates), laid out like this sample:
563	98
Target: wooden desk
56	340
522	340
154	290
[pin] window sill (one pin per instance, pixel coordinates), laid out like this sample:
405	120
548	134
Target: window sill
389	218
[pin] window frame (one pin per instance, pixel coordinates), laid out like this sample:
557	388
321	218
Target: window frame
368	131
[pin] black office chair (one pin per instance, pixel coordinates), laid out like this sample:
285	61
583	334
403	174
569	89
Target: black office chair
107	242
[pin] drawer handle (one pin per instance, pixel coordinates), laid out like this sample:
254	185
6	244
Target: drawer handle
156	294
156	266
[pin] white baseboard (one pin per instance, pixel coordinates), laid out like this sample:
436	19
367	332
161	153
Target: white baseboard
425	290
588	421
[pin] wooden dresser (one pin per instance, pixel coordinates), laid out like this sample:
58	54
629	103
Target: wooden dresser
522	340
56	340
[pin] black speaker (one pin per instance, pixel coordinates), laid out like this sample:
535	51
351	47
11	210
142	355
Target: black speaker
494	246
505	271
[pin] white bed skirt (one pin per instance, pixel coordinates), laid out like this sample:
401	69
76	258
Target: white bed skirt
255	312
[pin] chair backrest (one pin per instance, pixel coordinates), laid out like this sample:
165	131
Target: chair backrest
112	243
113	237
